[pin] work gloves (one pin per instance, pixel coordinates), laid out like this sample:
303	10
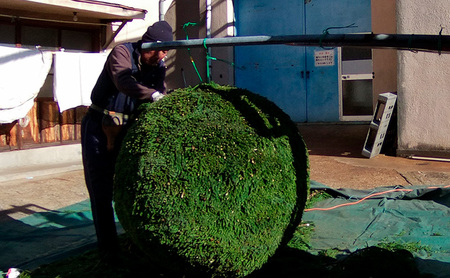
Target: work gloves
157	96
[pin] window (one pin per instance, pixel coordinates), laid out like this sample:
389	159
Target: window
69	37
7	33
31	35
357	76
76	40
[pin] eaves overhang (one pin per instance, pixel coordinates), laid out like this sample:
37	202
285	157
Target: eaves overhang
64	10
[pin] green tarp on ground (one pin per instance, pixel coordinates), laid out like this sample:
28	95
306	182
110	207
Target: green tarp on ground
46	236
355	219
351	220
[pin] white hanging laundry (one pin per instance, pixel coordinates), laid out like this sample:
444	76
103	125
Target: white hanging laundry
75	74
22	74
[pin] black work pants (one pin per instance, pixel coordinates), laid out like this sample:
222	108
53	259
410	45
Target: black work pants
99	167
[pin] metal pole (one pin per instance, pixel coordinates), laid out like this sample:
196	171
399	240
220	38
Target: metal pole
162	9
433	43
208	35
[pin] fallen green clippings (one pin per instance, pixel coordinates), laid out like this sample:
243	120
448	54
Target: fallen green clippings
287	262
378	262
316	196
305	230
130	263
331	253
302	236
413	247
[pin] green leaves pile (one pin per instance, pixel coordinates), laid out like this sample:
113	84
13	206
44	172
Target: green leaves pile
211	180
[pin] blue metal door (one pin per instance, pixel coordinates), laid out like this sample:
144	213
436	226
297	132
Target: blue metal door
303	81
334	17
272	71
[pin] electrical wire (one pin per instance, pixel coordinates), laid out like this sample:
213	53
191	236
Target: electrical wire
368	197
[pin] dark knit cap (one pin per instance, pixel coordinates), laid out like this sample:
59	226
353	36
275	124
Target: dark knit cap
159	31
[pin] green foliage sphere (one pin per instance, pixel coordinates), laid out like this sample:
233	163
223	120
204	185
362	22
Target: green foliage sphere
211	179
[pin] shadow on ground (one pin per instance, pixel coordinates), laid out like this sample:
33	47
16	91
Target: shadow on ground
289	262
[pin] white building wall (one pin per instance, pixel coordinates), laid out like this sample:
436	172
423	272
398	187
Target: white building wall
423	82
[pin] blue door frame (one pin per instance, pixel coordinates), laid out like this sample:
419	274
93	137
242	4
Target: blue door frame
303	81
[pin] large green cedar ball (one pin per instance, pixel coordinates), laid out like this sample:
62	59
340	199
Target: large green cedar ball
212	180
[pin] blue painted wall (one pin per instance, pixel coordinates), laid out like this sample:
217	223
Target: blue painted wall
288	75
272	71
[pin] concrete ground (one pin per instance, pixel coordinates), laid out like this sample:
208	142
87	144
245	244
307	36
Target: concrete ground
335	160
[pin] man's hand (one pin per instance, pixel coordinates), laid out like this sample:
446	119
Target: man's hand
157	96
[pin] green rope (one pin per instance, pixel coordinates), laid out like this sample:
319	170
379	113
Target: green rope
208	71
209	57
189	50
220	60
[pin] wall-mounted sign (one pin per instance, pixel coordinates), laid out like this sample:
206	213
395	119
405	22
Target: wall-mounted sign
324	58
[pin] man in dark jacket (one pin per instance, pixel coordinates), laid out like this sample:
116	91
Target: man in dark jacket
130	76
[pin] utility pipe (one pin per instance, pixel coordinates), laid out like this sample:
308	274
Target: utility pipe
432	43
161	10
430	158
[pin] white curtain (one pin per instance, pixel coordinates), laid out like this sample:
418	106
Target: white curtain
75	74
22	74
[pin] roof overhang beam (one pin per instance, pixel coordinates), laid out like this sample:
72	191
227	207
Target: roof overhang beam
86	10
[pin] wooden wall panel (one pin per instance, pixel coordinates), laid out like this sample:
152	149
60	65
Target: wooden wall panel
5	135
68	125
44	125
49	121
80	113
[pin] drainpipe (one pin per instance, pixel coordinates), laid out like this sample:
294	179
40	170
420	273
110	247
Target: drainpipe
161	10
208	35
